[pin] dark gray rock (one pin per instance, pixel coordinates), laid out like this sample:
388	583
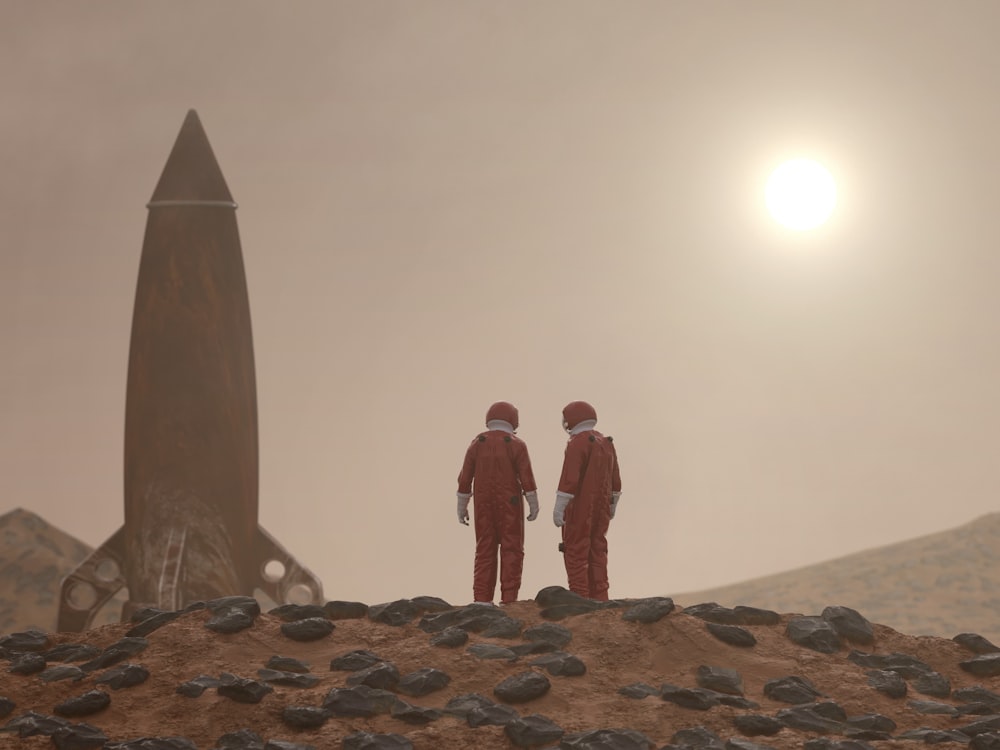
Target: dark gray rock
241	689
825	743
503	627
123	676
359	701
287	664
736	701
69	652
806	719
159	743
737	743
791	689
305	717
288	679
740	615
532	648
194	688
383	676
493	714
986	665
87	704
562	611
932	707
933	684
754	725
553	596
27	663
231	614
862	735
549	632
79	737
411	714
31	724
307	629
813	632
977	694
975	643
152	624
888	683
828	710
396	613
461	705
606	739
338	610
876	722
25	641
734	635
902	664
371	741
522	687
695	698
850	625
649	610
450	638
295	612
7	707
720	679
431	604
933	736
472	618
285	745
423	682
985	741
986	724
561	664
697	737
62	672
224	603
532	731
231	622
354	661
119	651
491	651
242	739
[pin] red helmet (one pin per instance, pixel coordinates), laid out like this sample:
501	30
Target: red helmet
502	410
576	412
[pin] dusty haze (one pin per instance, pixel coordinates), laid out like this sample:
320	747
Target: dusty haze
443	204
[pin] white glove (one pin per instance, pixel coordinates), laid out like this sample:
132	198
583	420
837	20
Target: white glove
532	498
559	510
463	508
614	502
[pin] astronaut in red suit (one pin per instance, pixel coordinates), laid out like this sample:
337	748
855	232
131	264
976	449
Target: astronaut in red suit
497	464
589	488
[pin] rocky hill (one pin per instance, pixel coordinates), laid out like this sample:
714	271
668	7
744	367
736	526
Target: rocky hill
554	672
941	584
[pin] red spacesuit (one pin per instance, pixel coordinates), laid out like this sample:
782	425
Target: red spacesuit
589	488
497	462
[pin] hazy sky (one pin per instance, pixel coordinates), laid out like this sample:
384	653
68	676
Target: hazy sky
444	204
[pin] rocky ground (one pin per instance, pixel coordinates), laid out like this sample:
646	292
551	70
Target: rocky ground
551	672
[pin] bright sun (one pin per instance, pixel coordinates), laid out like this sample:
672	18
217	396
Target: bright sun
801	194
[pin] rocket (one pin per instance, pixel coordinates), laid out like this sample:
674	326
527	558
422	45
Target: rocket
191	529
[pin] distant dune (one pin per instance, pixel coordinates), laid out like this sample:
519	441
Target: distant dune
942	584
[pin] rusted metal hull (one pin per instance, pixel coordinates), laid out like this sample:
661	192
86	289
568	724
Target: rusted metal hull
191	451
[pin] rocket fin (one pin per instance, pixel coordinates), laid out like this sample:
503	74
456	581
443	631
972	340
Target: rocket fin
281	576
91	584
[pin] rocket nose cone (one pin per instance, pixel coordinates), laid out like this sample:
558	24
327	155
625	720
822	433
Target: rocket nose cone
191	172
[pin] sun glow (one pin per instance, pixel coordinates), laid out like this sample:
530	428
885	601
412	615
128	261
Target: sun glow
801	194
